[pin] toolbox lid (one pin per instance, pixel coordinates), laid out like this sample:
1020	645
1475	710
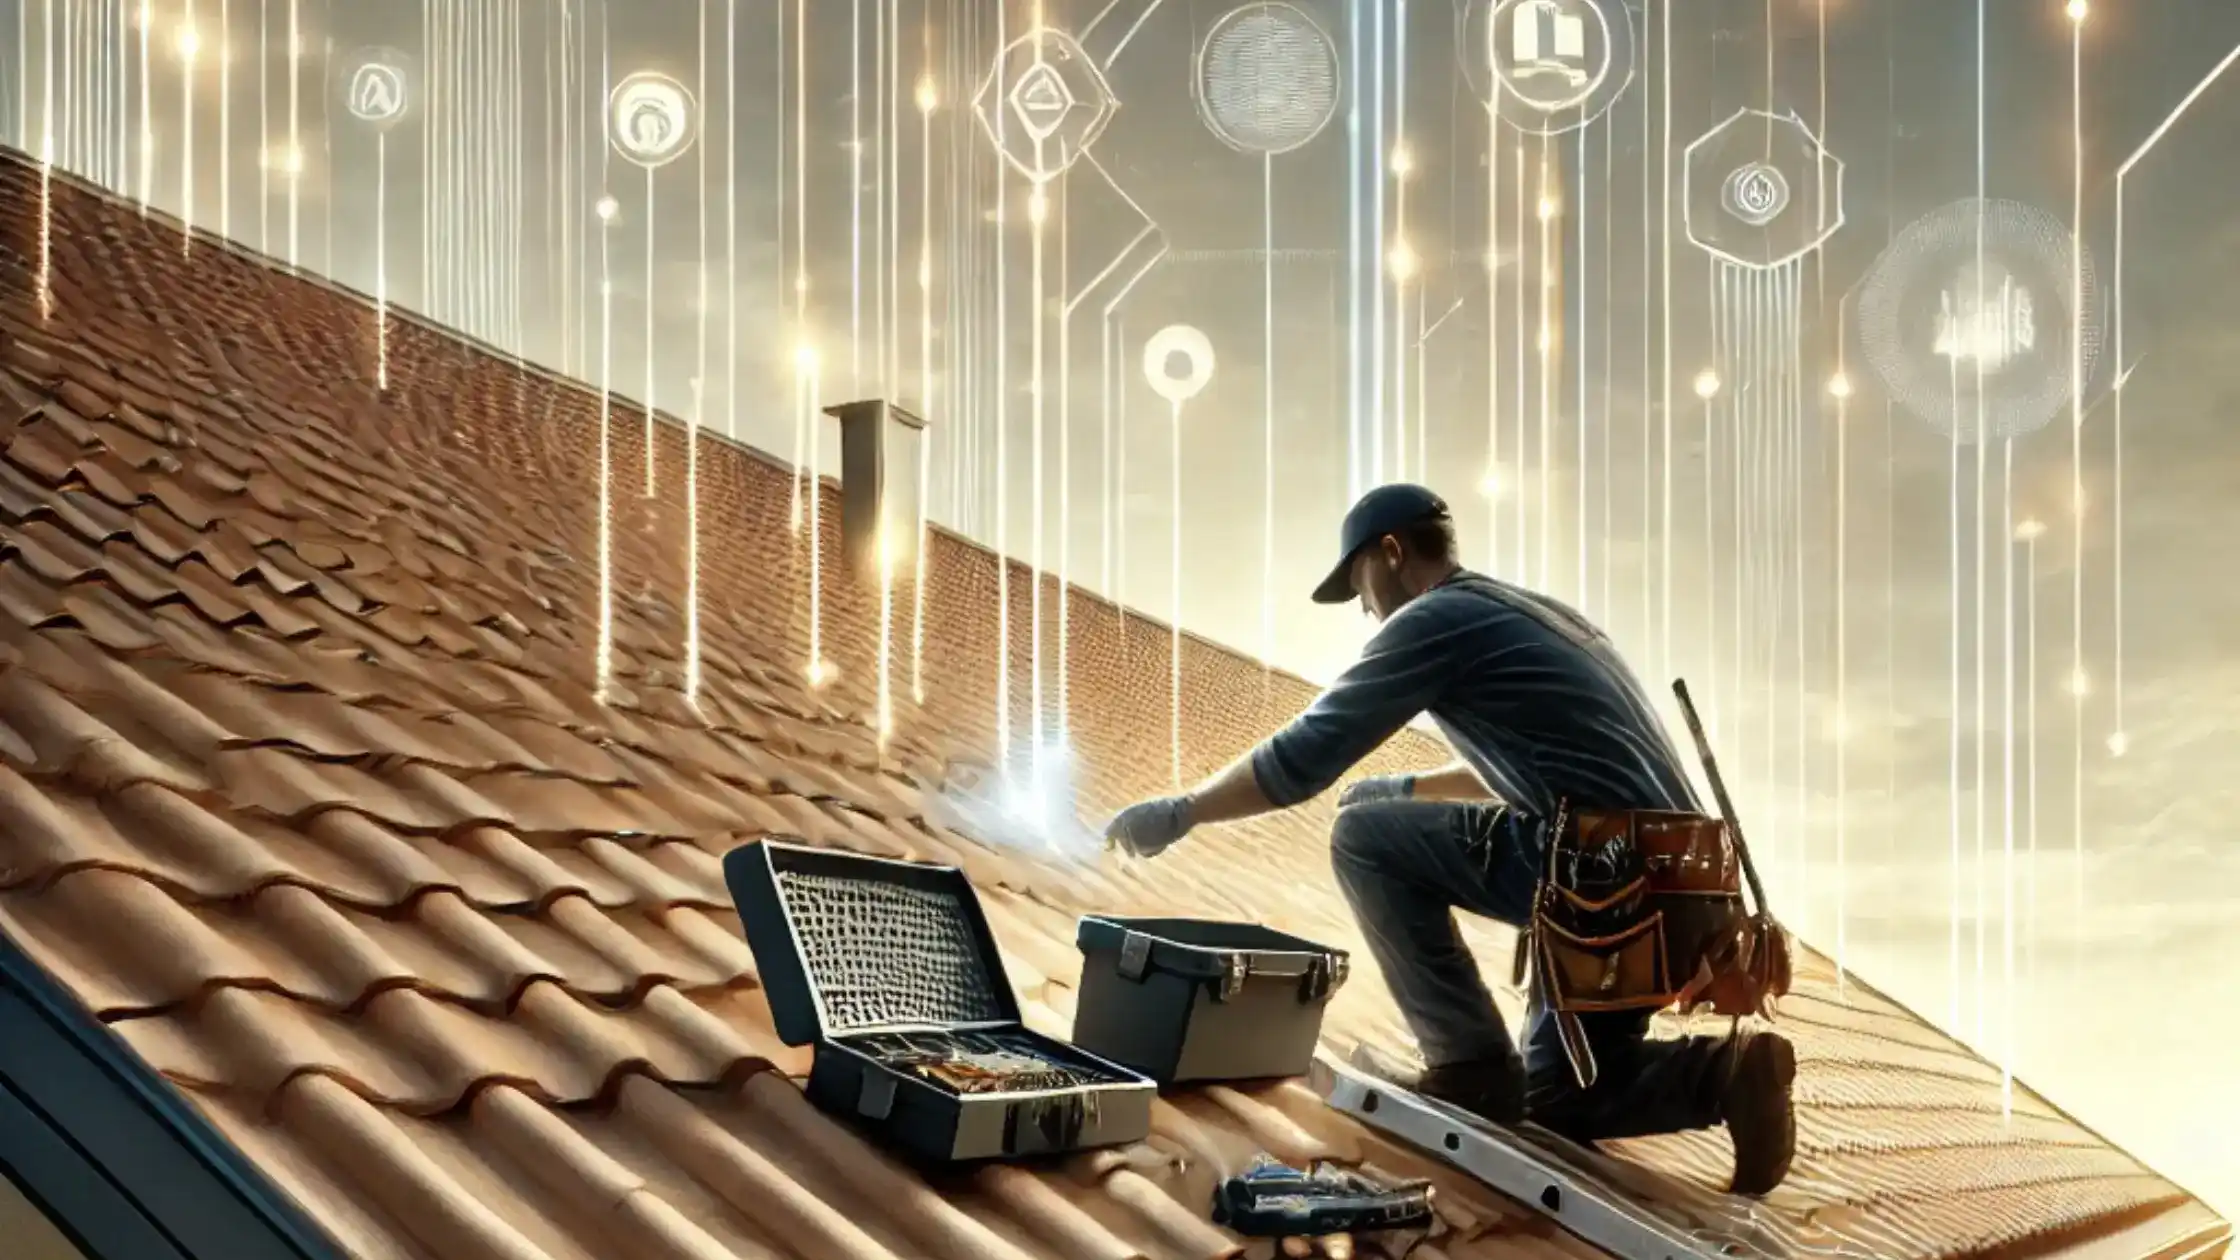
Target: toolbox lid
846	943
1201	949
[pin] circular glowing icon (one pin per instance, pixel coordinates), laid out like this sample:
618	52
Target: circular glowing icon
1267	79
1546	66
1755	193
1178	363
651	119
1975	321
377	86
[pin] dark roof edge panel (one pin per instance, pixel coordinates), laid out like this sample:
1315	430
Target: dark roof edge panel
118	1156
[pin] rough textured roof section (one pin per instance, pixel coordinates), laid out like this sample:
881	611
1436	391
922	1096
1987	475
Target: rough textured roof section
304	788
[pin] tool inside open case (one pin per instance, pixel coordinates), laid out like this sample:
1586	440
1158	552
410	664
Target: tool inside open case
890	971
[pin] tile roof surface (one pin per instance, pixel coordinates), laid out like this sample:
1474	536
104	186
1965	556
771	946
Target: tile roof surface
306	791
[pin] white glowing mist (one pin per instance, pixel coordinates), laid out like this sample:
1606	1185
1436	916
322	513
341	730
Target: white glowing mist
1036	814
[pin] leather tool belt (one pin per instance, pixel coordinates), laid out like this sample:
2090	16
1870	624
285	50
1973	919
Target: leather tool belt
1640	910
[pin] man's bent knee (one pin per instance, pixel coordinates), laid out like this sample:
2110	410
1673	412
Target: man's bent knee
1363	836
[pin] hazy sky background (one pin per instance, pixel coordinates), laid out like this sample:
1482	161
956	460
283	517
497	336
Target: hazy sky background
483	202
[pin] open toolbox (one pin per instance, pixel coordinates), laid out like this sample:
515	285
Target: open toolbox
889	970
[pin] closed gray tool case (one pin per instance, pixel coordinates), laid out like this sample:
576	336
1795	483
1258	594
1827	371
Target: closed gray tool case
889	970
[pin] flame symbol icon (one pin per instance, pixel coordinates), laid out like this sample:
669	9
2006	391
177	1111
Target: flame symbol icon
1756	194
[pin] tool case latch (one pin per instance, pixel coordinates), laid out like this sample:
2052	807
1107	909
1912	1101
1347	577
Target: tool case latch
1324	976
1135	956
875	1095
1235	970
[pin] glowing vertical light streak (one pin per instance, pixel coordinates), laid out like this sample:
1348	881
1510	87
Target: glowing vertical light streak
1544	453
381	258
692	659
1376	234
804	414
264	125
855	197
2006	918
2029	532
1002	432
731	218
651	378
23	76
820	669
1402	262
1038	214
1065	465
1490	481
1664	253
1952	787
147	105
1982	511
1579	356
1840	389
295	126
46	167
190	45
225	118
2076	11
1174	542
1523	570
604	662
1267	415
927	101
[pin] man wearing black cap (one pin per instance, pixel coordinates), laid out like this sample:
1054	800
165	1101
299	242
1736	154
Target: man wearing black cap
1542	712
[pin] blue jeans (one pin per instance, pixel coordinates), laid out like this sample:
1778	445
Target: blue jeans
1405	867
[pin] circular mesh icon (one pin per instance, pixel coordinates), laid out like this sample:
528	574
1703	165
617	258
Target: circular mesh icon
1971	314
1267	79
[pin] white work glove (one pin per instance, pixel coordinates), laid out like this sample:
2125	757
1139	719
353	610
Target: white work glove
1148	828
1378	787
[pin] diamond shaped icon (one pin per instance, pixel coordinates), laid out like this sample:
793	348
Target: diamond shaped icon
1044	103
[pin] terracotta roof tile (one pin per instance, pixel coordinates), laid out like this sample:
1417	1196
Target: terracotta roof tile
306	789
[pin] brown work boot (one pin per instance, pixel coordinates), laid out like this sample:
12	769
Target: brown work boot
1491	1090
1760	1112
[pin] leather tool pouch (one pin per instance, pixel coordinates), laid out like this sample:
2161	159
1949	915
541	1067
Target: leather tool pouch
1643	910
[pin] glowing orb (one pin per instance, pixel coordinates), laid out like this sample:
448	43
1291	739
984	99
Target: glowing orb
1970	318
376	86
1178	363
1267	79
651	119
1044	103
1759	190
1546	66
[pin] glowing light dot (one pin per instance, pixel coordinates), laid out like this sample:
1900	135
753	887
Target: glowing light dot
2030	530
1490	485
2080	684
801	284
1548	208
1403	162
606	208
190	44
805	357
1038	206
2077	10
1840	387
1546	341
925	273
1402	261
1707	383
2119	744
926	98
821	673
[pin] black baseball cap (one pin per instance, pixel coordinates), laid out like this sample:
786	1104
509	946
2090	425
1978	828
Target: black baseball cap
1384	510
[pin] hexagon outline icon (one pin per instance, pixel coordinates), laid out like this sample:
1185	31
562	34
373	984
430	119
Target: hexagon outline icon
1830	220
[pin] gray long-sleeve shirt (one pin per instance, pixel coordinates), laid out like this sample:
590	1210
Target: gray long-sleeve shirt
1528	691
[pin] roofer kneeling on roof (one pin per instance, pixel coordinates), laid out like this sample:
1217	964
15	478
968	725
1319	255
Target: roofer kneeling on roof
1550	726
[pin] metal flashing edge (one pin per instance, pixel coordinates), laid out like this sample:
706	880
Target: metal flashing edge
114	1154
